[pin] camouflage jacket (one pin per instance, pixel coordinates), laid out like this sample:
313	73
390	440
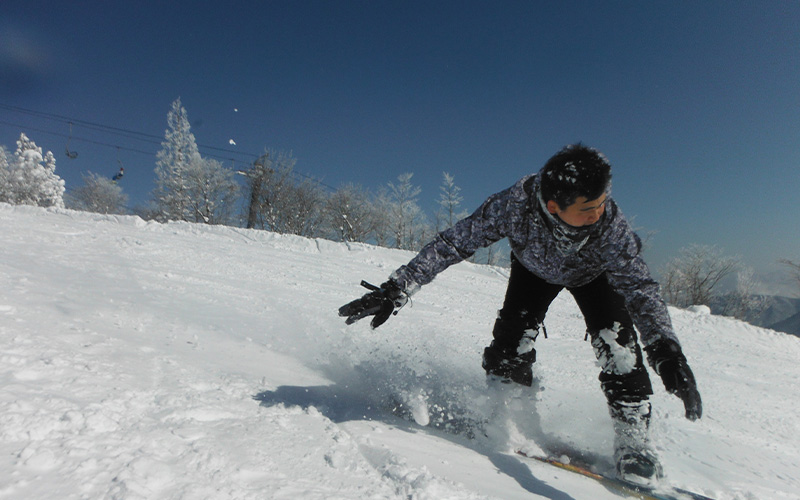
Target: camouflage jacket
516	213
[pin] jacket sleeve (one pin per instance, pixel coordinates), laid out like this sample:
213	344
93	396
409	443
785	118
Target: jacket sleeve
630	276
488	224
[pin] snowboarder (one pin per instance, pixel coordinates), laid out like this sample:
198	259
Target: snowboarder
565	231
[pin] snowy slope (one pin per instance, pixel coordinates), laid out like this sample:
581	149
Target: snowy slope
178	361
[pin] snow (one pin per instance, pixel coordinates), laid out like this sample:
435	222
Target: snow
32	156
181	361
700	309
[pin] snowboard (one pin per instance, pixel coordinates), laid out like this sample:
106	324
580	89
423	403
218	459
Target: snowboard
631	490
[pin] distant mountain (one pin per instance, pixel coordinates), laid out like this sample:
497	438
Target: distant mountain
781	314
789	325
778	309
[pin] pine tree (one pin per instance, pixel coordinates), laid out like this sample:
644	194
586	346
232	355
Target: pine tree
178	155
407	220
188	186
449	203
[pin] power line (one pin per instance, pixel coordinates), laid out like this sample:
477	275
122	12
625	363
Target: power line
77	121
75	138
131	134
127	133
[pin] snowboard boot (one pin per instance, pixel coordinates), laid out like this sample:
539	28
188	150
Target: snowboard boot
638	466
512	364
636	461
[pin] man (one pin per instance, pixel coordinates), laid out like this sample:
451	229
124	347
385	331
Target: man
565	231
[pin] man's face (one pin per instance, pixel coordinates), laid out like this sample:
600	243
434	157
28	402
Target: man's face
581	213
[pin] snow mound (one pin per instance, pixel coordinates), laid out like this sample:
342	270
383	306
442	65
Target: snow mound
701	309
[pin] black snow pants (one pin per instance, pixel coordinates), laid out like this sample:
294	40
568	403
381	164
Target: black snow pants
623	378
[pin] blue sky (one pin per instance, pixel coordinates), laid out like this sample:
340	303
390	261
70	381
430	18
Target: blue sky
696	104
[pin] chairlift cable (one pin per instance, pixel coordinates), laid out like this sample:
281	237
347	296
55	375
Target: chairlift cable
131	134
70	154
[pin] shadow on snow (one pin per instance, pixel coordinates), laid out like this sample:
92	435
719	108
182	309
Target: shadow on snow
342	403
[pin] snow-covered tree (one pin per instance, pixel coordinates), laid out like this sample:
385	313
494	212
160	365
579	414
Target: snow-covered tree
5	186
382	230
212	192
178	155
281	203
29	178
304	212
98	194
189	187
449	203
744	302
408	222
270	180
350	213
690	278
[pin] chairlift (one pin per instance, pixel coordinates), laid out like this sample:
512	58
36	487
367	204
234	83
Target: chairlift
121	172
70	154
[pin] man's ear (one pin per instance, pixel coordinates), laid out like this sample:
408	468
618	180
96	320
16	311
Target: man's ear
552	207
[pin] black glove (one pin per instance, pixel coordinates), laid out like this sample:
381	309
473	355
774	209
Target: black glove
380	302
667	359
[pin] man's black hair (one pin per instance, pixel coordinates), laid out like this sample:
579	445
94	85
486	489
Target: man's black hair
575	171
